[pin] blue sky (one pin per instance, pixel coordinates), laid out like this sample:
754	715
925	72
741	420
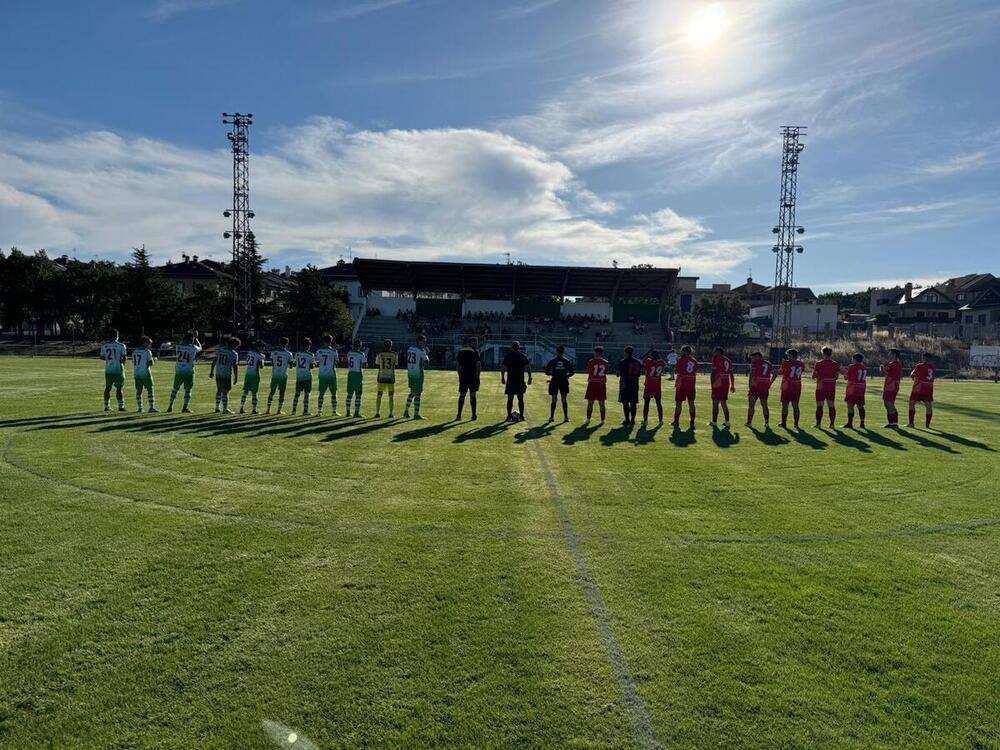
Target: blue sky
562	131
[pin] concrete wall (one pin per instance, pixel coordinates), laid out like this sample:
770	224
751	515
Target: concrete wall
494	306
598	309
804	317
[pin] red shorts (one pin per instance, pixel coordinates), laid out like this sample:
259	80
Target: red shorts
826	394
791	395
890	389
651	390
597	391
721	392
684	393
855	397
759	393
923	392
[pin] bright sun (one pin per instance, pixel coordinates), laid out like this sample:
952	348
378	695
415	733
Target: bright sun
707	25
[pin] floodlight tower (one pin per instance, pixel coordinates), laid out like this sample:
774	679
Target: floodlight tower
786	230
243	251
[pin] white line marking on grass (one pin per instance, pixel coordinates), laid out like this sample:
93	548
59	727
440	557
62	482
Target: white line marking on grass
643	730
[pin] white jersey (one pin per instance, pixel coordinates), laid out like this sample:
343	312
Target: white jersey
255	361
225	360
280	359
142	360
355	361
113	353
416	360
186	355
304	362
327	357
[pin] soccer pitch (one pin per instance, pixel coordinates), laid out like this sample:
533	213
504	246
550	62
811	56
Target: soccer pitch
176	581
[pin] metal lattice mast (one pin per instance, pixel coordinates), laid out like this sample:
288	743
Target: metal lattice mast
786	230
242	264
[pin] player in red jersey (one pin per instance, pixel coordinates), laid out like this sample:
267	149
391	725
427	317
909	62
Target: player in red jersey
654	366
762	374
893	371
856	377
791	386
923	388
825	373
723	383
597	382
684	389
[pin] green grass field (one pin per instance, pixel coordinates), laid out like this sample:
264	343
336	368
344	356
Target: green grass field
176	581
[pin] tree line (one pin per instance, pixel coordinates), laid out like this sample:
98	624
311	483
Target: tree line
82	300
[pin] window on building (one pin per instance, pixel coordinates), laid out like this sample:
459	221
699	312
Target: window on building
931	298
982	320
920	313
942	316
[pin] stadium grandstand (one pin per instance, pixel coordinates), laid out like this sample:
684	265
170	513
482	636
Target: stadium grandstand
542	306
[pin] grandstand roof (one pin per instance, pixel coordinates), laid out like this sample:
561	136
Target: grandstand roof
489	281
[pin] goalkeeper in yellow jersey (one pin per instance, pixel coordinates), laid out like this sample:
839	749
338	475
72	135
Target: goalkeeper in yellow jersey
386	361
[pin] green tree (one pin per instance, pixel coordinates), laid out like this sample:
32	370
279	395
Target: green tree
310	307
718	318
847	302
147	304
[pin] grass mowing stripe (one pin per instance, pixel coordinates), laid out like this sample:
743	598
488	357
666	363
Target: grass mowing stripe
643	730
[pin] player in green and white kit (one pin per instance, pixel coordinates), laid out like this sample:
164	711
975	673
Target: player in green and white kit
251	376
416	361
187	353
305	361
280	359
355	382
113	354
225	369
142	363
326	357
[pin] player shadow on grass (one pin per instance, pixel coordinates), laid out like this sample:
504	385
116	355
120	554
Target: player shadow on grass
805	438
361	428
925	442
645	435
617	435
481	433
962	440
55	420
534	433
725	438
768	436
880	439
842	438
581	433
424	432
682	438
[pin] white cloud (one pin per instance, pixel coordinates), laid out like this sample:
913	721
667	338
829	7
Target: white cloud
957	164
164	10
521	10
347	11
326	186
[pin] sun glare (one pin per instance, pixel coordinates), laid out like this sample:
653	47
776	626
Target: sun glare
707	25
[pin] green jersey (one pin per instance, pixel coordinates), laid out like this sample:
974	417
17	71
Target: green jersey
280	359
142	360
255	361
225	359
327	358
113	354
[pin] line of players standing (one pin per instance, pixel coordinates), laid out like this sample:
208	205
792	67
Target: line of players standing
516	376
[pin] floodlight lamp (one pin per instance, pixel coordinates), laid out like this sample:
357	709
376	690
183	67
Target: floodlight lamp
226	235
227	213
774	231
775	249
799	249
801	230
251	214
